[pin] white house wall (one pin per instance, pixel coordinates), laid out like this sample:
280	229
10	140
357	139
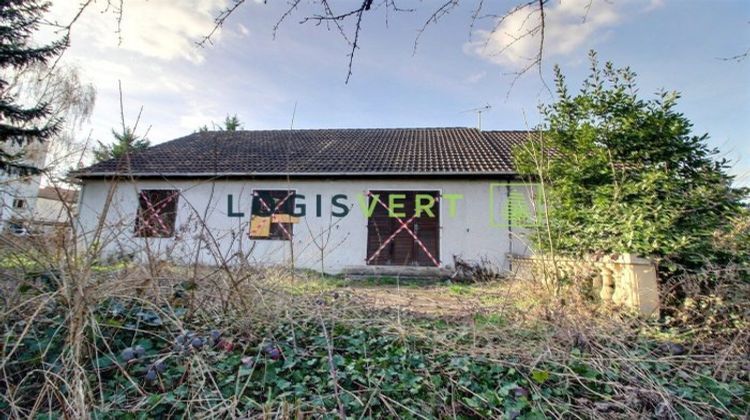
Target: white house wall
469	234
51	211
18	188
13	186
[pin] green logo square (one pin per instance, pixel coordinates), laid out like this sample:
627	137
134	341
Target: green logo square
519	205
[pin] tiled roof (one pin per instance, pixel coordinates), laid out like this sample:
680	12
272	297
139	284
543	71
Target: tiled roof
331	152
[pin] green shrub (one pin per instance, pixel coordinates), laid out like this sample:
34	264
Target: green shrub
622	174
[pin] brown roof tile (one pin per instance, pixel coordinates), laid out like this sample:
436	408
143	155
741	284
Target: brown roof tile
379	151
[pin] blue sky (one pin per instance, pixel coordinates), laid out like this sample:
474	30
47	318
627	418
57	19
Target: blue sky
671	44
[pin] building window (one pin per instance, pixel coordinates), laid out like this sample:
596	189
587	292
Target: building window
19	203
157	212
413	239
272	216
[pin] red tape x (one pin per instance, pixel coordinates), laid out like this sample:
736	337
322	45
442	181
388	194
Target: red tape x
276	208
153	211
404	226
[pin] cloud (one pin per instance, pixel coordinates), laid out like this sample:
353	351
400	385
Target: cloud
243	29
475	77
569	24
161	29
147	78
198	114
162	70
653	5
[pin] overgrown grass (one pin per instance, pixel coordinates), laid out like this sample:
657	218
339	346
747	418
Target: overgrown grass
408	282
255	343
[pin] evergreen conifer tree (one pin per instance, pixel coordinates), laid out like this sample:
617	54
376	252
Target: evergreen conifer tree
19	19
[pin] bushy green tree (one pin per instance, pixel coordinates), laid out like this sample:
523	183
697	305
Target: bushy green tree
19	19
125	142
627	174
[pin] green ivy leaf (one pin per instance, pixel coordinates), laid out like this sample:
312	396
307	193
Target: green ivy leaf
540	376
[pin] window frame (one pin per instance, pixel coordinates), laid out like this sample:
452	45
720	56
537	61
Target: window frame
279	231
148	231
381	225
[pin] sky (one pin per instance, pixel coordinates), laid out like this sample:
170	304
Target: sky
246	70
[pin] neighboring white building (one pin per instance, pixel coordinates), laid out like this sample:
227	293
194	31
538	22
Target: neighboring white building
226	197
19	183
55	208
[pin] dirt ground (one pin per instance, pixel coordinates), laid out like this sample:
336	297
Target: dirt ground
451	301
426	301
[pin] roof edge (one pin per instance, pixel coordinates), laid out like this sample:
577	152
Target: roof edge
91	175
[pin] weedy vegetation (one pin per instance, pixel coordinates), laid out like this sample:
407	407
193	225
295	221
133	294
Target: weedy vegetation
133	341
144	338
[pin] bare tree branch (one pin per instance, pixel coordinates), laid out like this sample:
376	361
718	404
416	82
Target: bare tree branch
219	22
441	11
738	57
352	35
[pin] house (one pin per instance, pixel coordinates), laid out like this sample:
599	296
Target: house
19	183
54	209
336	200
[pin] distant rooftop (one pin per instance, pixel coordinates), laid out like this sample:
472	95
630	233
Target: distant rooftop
58	194
324	152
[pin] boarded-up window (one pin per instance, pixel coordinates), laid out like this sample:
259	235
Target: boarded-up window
157	212
409	240
272	215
